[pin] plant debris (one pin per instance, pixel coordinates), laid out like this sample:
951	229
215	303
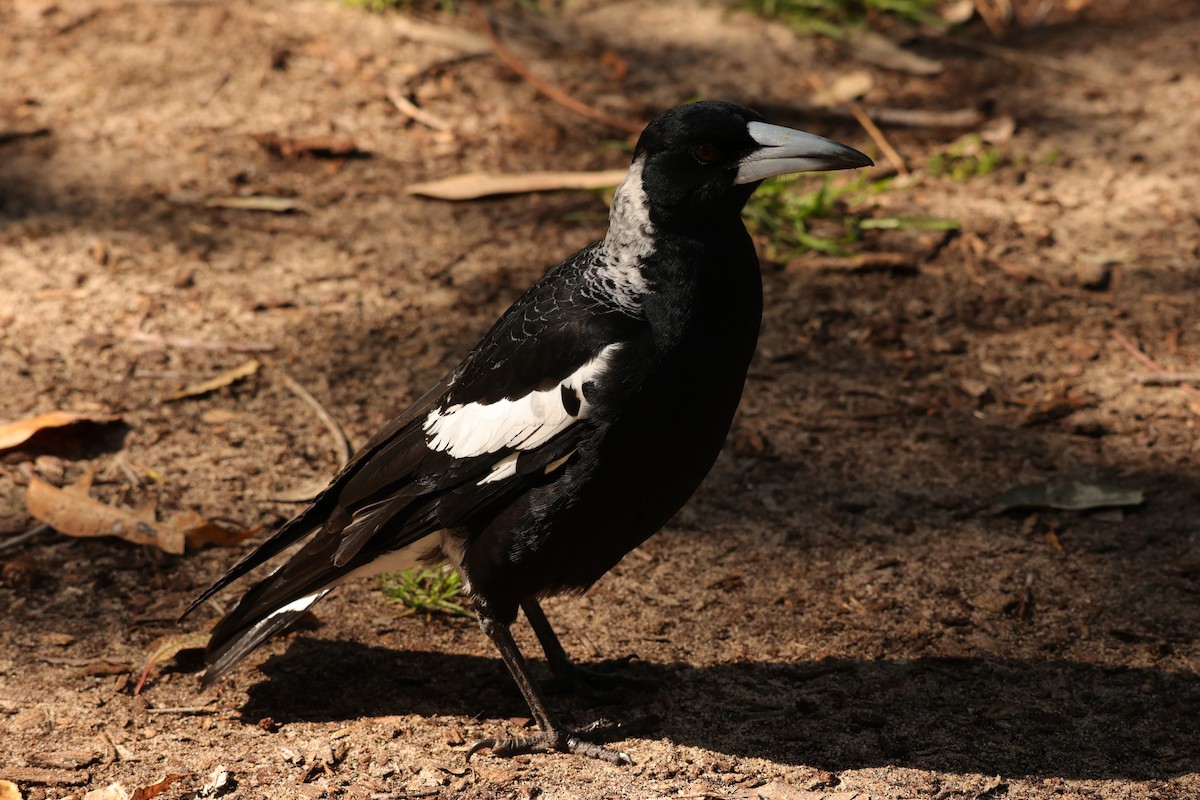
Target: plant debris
15	434
72	512
226	378
474	185
1070	496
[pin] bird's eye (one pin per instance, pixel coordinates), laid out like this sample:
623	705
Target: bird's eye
706	153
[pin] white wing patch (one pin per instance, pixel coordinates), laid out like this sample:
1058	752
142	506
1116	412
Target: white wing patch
467	430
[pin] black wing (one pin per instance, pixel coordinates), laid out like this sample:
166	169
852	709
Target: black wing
439	464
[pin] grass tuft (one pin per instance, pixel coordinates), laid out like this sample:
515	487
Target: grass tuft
425	590
786	218
967	158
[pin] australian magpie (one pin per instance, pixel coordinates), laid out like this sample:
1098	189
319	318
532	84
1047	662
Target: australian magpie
576	428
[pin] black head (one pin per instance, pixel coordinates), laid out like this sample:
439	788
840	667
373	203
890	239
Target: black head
705	159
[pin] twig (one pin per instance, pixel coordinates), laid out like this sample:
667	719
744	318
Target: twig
414	112
549	90
877	136
870	127
342	446
187	343
184	710
22	538
1150	363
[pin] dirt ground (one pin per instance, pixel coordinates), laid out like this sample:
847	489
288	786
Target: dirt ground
839	613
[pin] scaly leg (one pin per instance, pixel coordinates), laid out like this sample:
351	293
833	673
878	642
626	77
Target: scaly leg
554	735
583	679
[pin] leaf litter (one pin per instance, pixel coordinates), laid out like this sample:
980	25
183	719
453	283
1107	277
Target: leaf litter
72	511
1071	496
15	434
226	378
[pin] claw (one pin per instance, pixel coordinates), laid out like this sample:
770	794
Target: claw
544	743
482	744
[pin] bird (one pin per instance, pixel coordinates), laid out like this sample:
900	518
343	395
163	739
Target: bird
578	426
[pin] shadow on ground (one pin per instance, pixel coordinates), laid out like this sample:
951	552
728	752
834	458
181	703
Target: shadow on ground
835	714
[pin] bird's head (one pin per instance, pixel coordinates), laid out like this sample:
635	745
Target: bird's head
705	159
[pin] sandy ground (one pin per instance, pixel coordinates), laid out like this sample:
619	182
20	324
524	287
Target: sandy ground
839	613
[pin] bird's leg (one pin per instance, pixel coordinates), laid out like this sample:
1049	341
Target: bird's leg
583	679
554	735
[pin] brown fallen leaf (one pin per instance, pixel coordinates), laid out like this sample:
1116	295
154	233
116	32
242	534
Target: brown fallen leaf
199	532
17	433
72	512
226	378
156	788
166	647
474	185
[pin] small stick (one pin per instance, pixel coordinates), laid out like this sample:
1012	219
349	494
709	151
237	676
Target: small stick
549	90
877	136
185	710
414	112
339	437
870	127
22	538
1150	363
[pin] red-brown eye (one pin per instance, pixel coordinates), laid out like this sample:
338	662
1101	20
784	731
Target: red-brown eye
706	153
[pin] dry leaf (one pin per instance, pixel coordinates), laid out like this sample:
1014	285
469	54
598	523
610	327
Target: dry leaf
274	205
199	532
9	791
166	647
845	88
156	788
72	512
474	185
877	49
114	791
226	378
17	433
1071	496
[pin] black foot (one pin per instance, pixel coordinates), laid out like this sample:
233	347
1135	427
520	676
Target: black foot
599	681
563	741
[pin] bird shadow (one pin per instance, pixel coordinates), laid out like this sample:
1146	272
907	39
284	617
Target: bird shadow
981	715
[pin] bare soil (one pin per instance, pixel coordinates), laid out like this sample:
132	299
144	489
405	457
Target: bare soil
837	613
